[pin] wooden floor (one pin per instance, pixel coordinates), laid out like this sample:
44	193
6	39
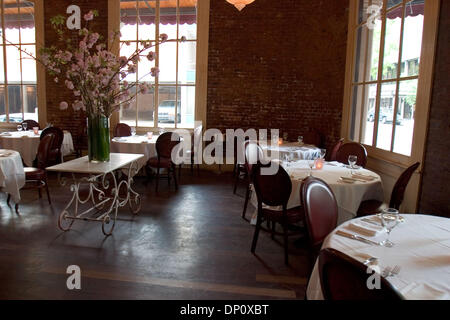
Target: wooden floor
189	244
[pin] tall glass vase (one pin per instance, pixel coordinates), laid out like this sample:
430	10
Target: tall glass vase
98	138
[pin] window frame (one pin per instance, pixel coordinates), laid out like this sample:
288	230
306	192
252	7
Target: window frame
424	87
40	71
201	65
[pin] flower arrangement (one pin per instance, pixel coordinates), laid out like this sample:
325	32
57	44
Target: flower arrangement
92	72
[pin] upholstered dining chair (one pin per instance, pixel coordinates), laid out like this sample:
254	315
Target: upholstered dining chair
30	124
122	130
321	212
369	207
253	153
165	143
55	154
331	156
344	278
352	148
275	190
36	177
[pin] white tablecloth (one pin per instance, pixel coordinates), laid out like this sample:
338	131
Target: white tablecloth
348	196
422	250
294	149
12	175
136	145
27	143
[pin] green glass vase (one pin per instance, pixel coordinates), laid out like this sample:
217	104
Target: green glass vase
98	138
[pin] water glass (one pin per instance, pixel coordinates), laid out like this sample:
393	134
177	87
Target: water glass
352	159
19	127
323	152
24	125
133	131
36	130
300	139
389	219
311	166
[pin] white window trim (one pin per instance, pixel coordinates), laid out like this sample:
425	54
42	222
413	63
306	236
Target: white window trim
386	162
201	63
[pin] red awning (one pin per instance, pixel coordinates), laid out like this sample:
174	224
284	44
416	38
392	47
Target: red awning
412	10
164	19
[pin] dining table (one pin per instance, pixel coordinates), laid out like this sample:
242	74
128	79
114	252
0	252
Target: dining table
136	144
420	254
350	186
27	144
291	150
12	174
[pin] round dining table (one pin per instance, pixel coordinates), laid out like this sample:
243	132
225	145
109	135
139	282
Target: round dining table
136	144
349	189
291	150
421	251
27	144
12	174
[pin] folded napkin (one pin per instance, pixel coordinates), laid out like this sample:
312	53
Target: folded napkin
364	228
119	139
363	177
423	291
334	163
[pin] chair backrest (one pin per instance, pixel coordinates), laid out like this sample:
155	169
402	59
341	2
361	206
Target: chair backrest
331	156
253	153
272	190
344	278
122	130
352	148
42	157
30	124
58	139
398	192
165	144
321	211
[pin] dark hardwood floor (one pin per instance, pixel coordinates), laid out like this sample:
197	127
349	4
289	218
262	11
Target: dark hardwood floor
185	244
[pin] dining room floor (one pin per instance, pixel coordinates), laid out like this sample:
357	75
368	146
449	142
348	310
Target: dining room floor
185	244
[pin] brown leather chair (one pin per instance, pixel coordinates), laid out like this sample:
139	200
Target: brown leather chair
344	278
55	155
122	130
30	124
253	153
275	190
164	146
352	148
321	212
369	207
331	156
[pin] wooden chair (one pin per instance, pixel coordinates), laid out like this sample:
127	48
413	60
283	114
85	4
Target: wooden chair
30	124
122	130
253	153
55	155
369	207
164	146
321	212
275	190
352	148
36	177
344	278
331	156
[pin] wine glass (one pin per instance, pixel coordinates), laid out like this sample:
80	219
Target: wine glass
389	219
323	152
19	127
311	166
24	125
133	131
352	161
300	139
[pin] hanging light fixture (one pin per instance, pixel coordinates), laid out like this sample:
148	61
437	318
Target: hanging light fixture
240	4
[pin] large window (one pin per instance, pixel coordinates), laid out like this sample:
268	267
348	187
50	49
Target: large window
172	102
385	74
18	96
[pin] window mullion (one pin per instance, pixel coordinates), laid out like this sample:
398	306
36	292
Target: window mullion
175	121
137	69
5	71
156	95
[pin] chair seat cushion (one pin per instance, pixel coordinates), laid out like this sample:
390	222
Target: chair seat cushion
294	215
34	173
163	162
369	207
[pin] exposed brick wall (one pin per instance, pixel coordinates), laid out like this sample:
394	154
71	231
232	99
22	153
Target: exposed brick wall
278	64
435	197
57	92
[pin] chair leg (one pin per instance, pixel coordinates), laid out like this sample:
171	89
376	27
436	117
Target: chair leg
236	180
174	168
247	197
46	189
255	235
8	199
157	179
179	171
40	193
273	230
286	253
